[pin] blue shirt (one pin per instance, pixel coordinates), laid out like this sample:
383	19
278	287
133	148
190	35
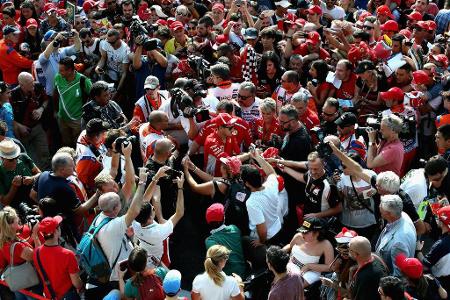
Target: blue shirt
7	115
149	68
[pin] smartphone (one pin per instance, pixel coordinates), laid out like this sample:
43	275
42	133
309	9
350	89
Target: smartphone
155	260
123	265
173	173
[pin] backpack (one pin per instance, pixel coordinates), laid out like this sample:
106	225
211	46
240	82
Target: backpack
92	259
235	209
151	288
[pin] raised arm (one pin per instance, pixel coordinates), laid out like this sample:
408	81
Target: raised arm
135	206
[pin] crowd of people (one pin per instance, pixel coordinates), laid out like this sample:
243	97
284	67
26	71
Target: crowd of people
301	149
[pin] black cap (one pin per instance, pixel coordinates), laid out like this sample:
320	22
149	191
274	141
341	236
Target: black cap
363	66
96	125
312	223
346	119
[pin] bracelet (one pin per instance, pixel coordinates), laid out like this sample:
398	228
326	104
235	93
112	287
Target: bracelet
195	169
181	188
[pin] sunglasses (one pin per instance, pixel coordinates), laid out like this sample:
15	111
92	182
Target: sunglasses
243	97
367	27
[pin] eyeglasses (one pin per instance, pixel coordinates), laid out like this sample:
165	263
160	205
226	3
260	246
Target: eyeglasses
243	97
285	122
191	28
367	27
183	15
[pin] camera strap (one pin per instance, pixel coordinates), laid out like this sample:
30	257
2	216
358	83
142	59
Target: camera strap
362	202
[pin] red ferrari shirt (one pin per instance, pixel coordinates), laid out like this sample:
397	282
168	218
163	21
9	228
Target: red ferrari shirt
215	148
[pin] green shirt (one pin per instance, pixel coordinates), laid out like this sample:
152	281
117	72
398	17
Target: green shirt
230	237
71	96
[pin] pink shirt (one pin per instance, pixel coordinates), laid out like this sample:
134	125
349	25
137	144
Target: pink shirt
392	153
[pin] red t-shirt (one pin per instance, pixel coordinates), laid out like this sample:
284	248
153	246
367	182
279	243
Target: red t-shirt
265	135
241	126
5	258
58	263
310	119
303	50
215	148
392	153
347	89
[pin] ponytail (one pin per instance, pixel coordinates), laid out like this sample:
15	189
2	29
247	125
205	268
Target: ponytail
216	255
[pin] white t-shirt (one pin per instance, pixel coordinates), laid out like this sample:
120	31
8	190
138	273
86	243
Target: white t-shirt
207	289
262	207
89	51
151	238
115	58
338	13
251	113
414	184
230	93
113	241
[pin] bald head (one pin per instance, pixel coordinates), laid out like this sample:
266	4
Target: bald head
108	202
26	80
361	246
163	146
158	120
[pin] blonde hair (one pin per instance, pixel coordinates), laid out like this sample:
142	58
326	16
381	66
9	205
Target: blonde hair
214	256
268	105
102	178
7	233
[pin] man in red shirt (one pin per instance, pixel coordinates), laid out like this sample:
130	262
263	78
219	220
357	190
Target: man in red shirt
344	72
221	143
305	114
312	45
57	263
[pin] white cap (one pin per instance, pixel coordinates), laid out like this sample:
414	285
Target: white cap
159	11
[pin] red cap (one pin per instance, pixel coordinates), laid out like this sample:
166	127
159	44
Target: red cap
441	58
89	4
176	25
31	23
62	12
220	39
215	213
431	25
444	215
49	224
224	119
415	15
420	77
411	267
300	21
161	22
394	93
313	38
384	10
144	13
406	33
423	25
49	7
363	16
345	236
233	162
218	6
315	9
390	25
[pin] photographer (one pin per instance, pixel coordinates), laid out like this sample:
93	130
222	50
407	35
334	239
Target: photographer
90	50
101	106
149	59
388	155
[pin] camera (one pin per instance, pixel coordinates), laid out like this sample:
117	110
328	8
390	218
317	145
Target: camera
195	89
372	121
408	128
173	174
323	149
29	215
125	141
200	66
138	27
181	101
68	34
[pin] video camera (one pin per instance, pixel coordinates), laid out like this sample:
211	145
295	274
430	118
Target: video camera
372	121
181	101
125	141
323	149
200	66
140	28
28	215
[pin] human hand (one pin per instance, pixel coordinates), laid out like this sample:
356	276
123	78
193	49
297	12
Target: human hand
143	175
139	40
23	130
326	281
37	113
17	181
180	181
271	160
310	86
35	230
305	269
237	277
126	150
187	163
419	245
161	172
75	33
256	243
27	180
372	133
312	215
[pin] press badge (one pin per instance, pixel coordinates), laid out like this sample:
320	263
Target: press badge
240	196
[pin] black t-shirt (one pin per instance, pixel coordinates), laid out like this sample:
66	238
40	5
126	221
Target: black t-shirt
366	281
318	191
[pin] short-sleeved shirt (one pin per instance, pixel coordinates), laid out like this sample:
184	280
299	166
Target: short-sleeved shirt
71	96
205	286
262	207
151	238
321	194
392	153
290	287
58	263
7	116
115	58
5	257
366	281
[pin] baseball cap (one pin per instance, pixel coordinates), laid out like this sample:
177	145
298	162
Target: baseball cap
89	4
215	213
218	6
176	25
310	224
346	119
220	39
406	33
233	162
415	15
431	25
31	23
96	125
159	11
385	11
224	119
390	25
364	66
172	283
420	77
422	24
345	236
251	33
394	93
283	3
313	38
411	267
48	225
10	29
441	58
49	7
315	9
444	215
49	35
151	82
